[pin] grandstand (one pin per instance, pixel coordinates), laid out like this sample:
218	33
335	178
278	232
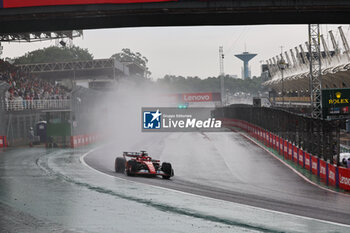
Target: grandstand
26	100
335	71
34	93
25	91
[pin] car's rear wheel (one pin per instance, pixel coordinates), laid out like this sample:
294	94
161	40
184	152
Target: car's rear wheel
119	165
168	170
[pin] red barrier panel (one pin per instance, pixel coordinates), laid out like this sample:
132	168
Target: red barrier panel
82	140
290	151
314	164
3	142
307	161
295	154
285	149
274	141
323	168
301	157
255	132
331	175
260	135
344	178
271	140
281	146
250	129
277	143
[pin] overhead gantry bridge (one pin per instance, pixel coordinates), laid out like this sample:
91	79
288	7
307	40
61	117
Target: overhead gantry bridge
33	15
89	69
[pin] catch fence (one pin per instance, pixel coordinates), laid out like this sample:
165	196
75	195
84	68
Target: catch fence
316	136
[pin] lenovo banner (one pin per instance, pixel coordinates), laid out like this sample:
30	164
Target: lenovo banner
200	97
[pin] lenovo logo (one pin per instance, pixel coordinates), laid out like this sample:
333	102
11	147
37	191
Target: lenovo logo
199	97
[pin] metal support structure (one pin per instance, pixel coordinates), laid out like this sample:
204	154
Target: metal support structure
289	62
222	74
300	59
315	70
282	66
326	50
275	65
345	42
269	67
295	64
39	36
70	66
304	57
335	45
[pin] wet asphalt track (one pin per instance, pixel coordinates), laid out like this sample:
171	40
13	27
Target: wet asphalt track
52	191
226	166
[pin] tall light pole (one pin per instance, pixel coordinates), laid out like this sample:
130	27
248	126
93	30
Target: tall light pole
282	65
222	75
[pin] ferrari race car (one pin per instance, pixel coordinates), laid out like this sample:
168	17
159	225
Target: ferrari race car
139	163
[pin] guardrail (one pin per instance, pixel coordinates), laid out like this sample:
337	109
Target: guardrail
20	105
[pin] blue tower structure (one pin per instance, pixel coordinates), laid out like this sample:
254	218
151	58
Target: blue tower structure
245	57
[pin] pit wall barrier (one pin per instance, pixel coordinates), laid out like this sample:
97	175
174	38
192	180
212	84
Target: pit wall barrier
3	142
329	174
83	140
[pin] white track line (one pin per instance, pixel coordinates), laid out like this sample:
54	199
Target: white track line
82	160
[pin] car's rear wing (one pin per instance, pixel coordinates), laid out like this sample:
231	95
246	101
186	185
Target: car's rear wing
131	154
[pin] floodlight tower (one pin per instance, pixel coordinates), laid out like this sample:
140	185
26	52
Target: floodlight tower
245	57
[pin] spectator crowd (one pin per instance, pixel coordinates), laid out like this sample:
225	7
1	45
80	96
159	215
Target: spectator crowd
29	92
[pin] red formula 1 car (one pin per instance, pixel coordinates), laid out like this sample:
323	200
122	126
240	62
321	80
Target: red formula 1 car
139	163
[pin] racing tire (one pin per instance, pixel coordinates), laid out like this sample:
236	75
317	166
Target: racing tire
168	170
119	165
131	168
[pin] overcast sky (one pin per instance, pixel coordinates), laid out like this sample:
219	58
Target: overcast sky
189	51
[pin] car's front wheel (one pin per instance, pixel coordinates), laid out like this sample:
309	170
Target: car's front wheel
168	170
119	165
